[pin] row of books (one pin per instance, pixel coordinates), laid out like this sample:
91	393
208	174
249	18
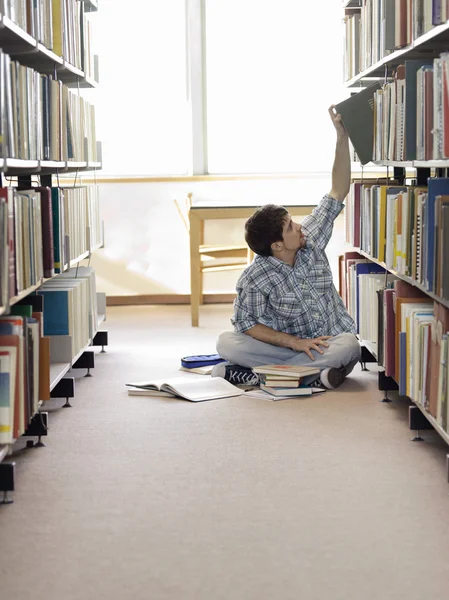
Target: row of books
60	25
408	329
24	370
70	306
42	119
44	229
404	227
383	26
411	113
63	309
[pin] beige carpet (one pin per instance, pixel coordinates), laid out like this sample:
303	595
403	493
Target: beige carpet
239	499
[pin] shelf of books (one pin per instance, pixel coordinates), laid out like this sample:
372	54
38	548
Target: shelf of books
382	32
50	311
395	280
395	283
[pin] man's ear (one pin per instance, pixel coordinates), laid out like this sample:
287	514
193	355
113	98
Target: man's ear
276	246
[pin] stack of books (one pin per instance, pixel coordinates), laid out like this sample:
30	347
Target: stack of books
286	380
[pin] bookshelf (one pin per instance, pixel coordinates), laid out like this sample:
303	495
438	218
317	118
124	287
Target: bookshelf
415	258
47	130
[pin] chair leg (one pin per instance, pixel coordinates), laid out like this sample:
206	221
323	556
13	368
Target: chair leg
201	295
195	269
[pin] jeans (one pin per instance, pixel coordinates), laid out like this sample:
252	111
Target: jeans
241	349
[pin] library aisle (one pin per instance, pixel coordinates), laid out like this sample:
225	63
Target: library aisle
145	498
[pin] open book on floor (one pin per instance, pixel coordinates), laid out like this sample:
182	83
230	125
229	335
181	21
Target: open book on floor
195	389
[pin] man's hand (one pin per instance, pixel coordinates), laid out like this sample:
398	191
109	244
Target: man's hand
338	123
308	345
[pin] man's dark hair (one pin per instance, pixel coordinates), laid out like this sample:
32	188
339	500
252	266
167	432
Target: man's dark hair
264	228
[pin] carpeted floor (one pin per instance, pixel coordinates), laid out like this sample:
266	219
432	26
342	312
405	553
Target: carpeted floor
239	499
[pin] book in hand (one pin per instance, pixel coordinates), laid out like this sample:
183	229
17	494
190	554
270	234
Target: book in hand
357	114
286	370
195	389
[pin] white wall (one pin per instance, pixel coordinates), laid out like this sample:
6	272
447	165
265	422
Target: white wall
147	246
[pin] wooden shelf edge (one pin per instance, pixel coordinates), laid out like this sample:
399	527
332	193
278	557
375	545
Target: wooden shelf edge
3	452
57	372
369	346
405	278
391	58
433	421
25	293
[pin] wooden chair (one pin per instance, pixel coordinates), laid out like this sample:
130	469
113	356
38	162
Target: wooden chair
209	258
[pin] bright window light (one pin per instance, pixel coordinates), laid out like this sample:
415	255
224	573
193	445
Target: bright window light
273	69
141	105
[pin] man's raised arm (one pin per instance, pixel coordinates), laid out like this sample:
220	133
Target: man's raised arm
341	171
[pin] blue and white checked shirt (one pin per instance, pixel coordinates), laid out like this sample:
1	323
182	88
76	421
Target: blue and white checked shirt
299	300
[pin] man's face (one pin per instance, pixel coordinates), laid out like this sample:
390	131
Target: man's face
293	236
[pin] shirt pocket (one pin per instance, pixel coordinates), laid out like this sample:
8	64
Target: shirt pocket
287	306
321	278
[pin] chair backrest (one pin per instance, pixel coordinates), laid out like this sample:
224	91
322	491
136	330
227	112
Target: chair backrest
184	208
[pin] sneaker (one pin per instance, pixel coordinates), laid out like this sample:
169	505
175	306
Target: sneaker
235	374
332	378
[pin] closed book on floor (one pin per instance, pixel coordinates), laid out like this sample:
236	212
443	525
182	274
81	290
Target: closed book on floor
290	370
292	392
357	116
195	389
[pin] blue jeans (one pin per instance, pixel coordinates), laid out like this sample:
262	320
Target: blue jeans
241	349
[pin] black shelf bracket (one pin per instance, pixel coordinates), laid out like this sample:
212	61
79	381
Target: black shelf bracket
101	339
417	422
366	357
65	388
6	481
38	426
85	361
399	175
386	384
46	180
422	175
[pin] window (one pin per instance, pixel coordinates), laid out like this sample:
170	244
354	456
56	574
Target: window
273	69
141	107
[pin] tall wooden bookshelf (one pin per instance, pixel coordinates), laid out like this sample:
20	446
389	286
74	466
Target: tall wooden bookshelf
380	37
47	131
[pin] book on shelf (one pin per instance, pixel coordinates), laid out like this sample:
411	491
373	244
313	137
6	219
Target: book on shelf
196	389
286	370
357	113
7	394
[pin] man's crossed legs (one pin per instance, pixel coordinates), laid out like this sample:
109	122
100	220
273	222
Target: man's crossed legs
337	361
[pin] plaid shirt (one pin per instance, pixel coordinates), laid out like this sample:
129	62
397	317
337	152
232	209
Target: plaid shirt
299	300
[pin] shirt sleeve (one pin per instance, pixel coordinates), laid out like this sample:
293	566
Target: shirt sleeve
318	226
249	306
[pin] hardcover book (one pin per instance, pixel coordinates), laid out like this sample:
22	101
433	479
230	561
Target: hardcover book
357	113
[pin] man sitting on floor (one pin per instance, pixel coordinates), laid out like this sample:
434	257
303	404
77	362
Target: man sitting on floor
287	309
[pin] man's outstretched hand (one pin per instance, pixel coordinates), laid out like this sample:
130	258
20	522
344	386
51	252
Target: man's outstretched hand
308	345
338	123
